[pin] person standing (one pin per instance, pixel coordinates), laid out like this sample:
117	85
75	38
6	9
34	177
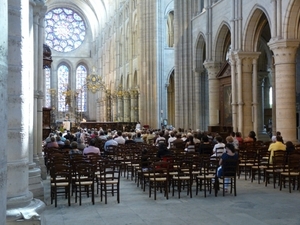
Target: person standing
137	126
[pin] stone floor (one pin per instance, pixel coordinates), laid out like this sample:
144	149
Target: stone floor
254	204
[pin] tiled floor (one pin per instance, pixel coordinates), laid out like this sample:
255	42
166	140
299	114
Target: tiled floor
254	204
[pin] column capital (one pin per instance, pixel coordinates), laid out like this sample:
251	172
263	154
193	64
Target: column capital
212	68
284	50
239	55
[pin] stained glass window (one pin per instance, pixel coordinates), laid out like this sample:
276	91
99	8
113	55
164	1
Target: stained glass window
47	88
81	74
64	29
64	100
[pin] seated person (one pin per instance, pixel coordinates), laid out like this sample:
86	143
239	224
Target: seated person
74	149
129	140
278	145
138	138
251	137
60	142
52	143
163	151
178	143
205	147
80	145
229	154
219	148
91	148
190	145
160	139
110	141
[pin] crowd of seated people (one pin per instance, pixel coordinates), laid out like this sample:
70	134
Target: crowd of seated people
191	141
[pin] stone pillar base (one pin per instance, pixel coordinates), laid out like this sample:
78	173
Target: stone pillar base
35	182
28	215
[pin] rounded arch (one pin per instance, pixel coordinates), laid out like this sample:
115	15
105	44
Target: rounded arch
291	24
222	42
257	22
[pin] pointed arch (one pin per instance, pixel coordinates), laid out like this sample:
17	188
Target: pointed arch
291	24
200	52
255	25
222	42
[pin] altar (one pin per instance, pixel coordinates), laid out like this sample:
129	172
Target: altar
122	126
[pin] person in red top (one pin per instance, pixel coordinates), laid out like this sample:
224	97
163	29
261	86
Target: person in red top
239	138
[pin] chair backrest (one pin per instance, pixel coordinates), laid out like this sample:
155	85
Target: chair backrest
229	167
294	163
220	151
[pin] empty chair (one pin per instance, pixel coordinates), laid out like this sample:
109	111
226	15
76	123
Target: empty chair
159	178
60	182
109	180
291	172
84	181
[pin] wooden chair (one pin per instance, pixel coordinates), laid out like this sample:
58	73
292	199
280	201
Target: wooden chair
274	169
260	164
247	161
60	182
291	172
183	178
229	167
84	181
207	174
159	178
110	180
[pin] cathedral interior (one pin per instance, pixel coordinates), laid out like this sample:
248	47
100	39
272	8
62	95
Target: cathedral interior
208	65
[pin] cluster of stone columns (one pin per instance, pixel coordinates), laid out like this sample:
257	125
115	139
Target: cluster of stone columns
23	144
121	106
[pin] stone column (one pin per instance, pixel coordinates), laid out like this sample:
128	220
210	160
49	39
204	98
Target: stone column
261	132
126	106
20	203
272	72
214	92
234	93
104	111
108	106
285	82
98	108
101	110
120	106
247	93
115	107
255	99
134	105
198	103
3	110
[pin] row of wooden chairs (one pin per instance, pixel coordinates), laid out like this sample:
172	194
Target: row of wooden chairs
81	174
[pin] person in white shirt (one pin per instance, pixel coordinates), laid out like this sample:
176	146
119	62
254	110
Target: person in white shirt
138	127
171	139
219	148
120	139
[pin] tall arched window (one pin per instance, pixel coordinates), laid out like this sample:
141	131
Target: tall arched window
47	87
64	97
81	73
